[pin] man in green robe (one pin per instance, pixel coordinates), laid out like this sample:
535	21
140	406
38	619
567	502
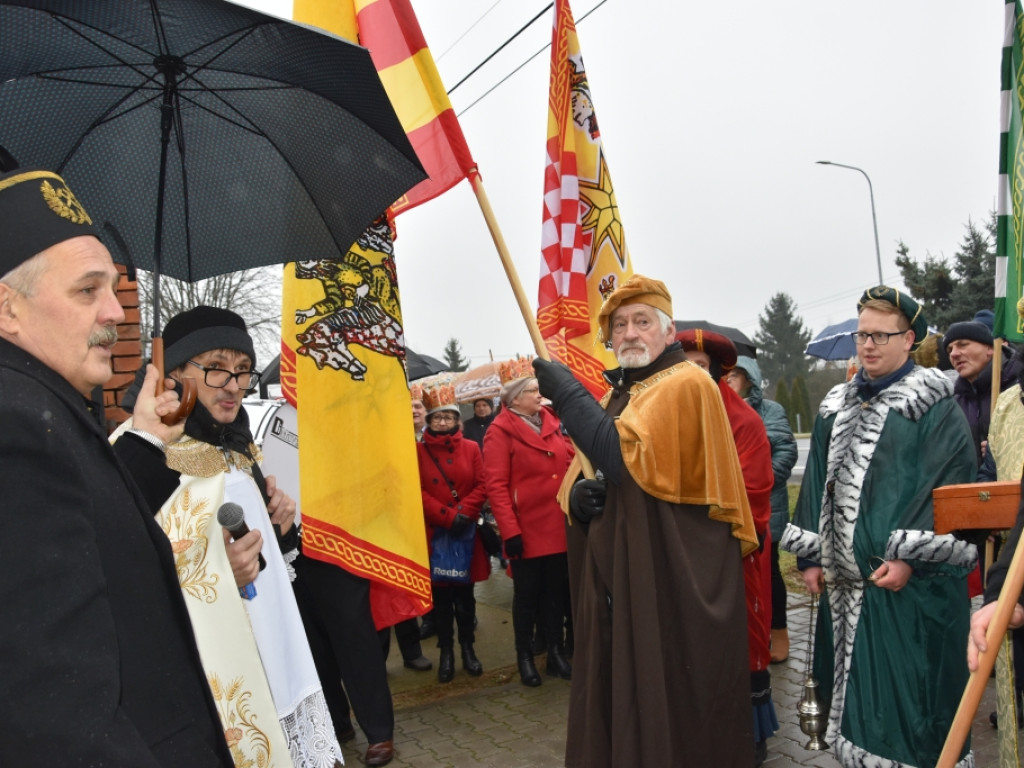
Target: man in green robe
895	613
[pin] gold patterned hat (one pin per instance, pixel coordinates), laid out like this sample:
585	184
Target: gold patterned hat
637	290
416	392
37	211
519	368
440	397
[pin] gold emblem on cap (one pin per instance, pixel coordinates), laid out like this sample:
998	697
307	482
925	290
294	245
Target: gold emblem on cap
63	202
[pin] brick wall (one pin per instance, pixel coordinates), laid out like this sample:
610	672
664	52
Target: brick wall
127	351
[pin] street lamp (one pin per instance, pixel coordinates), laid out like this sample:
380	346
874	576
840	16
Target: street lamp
874	220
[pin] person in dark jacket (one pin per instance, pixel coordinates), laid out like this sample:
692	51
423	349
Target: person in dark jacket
745	380
98	663
476	427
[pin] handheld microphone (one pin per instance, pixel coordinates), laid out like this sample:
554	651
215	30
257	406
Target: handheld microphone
231	516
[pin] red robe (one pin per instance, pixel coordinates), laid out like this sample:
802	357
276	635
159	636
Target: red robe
755	454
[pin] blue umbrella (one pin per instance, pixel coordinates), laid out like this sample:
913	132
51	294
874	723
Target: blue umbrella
835	342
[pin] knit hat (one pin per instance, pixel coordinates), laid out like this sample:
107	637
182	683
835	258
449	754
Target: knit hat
37	211
636	290
905	304
986	317
201	329
970	330
715	345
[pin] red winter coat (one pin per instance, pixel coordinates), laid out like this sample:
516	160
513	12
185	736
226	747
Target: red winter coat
461	462
755	454
523	472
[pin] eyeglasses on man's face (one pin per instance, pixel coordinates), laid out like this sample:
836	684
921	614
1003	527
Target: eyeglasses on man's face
218	378
878	338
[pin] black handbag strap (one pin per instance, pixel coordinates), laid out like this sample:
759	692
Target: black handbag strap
451	485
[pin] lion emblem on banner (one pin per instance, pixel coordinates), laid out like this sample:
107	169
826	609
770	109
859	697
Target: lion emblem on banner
360	306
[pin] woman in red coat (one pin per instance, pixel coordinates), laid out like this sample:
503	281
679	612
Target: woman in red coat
525	457
452	486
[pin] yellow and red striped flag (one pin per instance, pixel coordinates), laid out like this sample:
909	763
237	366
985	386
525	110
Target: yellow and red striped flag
343	340
389	29
583	247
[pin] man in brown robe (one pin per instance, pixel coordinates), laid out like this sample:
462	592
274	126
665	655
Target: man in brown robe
655	545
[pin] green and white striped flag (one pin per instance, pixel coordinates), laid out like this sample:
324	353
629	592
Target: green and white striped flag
1010	227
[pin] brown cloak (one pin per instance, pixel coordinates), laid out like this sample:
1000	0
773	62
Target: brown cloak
660	669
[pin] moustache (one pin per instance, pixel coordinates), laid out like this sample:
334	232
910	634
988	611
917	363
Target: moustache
104	337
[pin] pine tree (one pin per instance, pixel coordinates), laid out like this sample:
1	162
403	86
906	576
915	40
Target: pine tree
801	406
782	398
975	267
930	282
453	356
781	340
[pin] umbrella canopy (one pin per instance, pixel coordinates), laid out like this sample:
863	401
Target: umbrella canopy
744	345
419	366
835	342
213	137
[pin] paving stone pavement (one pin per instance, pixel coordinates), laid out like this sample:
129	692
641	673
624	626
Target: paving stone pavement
500	723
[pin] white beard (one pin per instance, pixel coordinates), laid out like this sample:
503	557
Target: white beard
633	357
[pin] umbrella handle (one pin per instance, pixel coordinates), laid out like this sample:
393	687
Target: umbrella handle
189	390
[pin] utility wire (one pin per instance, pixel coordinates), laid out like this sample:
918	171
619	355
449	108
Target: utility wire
531	58
497	50
471	28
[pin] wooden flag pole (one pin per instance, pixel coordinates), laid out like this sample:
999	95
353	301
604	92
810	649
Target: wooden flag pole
517	287
975	687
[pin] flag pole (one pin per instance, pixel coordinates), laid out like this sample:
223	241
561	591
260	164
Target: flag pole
517	287
976	683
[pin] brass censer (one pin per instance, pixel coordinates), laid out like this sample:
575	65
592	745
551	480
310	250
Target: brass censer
813	716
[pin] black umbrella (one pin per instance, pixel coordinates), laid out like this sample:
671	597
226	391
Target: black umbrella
213	137
744	345
418	366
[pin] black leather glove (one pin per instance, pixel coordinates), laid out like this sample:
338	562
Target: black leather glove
554	379
514	546
586	500
460	524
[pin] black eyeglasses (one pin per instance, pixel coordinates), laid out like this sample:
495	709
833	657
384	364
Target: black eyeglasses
880	338
218	378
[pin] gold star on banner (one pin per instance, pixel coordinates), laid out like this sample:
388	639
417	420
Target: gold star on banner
603	215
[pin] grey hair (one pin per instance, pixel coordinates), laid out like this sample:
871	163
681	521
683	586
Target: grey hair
667	323
24	278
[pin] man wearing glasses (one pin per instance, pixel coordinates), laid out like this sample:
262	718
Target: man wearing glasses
894	609
264	682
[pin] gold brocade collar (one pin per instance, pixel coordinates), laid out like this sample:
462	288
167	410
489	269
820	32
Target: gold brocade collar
199	459
639	386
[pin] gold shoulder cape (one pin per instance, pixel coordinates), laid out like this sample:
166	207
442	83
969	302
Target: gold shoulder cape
677	445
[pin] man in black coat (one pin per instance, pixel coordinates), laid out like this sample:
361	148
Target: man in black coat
98	664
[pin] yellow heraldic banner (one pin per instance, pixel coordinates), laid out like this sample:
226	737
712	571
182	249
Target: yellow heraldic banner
342	367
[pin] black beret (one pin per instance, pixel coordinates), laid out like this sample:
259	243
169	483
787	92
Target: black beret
201	329
905	304
37	211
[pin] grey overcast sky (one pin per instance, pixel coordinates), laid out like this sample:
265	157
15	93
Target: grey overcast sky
712	116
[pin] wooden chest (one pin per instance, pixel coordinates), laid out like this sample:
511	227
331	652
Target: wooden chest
977	506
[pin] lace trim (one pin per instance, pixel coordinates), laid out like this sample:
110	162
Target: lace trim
310	734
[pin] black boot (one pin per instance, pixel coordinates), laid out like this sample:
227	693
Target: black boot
558	665
527	671
470	662
446	666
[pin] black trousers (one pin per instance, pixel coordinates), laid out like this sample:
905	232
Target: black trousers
453	604
342	601
407	633
539	589
779	620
